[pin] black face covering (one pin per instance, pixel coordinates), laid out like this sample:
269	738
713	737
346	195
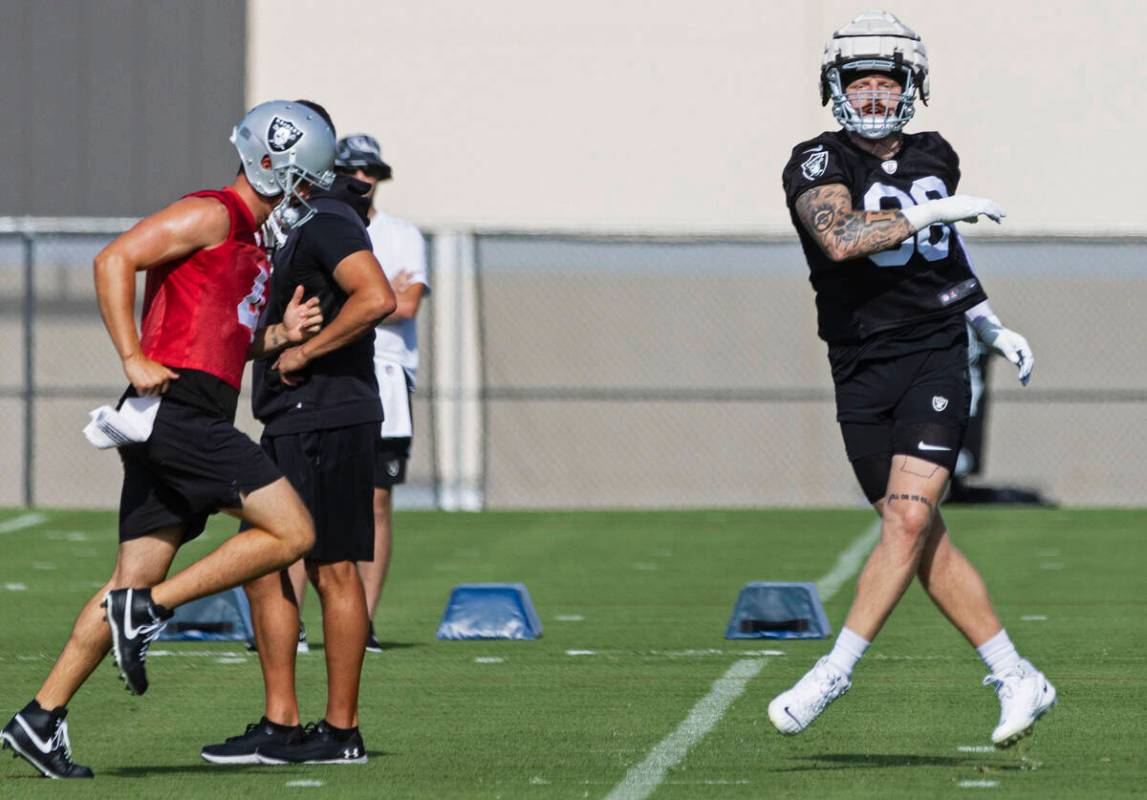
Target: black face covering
352	191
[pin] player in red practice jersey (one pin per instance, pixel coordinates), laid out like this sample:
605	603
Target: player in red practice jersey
206	285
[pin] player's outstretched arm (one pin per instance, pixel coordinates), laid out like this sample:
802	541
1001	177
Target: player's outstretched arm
168	235
844	232
1006	342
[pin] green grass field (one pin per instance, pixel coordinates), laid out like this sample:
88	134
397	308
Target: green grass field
649	594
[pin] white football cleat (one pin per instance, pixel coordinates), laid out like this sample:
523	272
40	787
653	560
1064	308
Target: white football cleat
1025	696
793	711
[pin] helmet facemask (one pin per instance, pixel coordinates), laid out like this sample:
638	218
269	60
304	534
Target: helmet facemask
294	183
867	113
293	210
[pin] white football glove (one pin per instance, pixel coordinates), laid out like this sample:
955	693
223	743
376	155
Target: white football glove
1006	342
952	209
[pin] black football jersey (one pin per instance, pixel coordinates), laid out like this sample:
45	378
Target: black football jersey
923	283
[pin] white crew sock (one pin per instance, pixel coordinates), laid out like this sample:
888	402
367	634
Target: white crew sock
999	653
847	651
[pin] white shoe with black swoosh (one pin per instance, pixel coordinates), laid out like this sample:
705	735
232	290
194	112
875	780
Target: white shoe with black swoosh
135	622
793	711
1025	695
41	738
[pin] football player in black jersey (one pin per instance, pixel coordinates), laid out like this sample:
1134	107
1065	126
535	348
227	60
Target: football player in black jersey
874	209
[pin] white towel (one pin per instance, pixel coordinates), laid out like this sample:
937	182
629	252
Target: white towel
129	425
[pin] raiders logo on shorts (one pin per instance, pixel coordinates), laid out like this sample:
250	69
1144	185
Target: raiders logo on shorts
392	468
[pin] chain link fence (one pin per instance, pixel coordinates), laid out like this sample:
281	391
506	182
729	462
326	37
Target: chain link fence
58	363
638	372
626	372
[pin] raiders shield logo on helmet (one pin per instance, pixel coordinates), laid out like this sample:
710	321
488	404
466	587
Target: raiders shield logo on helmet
282	135
939	403
815	165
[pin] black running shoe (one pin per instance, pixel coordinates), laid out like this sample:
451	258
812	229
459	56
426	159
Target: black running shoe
302	646
321	744
41	738
135	622
373	645
242	749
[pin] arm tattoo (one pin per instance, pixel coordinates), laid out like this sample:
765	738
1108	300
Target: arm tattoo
823	219
844	233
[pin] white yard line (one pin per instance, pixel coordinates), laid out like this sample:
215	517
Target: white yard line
23	521
848	563
196	654
643	779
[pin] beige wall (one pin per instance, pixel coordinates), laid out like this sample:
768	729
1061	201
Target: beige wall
677	116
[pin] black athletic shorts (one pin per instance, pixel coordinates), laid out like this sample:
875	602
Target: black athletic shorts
333	471
192	465
390	457
916	404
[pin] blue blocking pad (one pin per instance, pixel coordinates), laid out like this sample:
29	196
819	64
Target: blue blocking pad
490	611
773	610
223	617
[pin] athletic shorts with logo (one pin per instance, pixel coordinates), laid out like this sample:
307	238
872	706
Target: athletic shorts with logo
193	464
914	404
333	471
390	457
392	452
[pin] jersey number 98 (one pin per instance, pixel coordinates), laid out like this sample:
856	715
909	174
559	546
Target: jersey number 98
931	242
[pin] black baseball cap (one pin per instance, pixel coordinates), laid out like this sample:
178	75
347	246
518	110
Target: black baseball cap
361	151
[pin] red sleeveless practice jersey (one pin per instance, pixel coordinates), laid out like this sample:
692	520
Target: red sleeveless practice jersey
201	312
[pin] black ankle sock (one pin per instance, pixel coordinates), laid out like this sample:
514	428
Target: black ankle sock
280	728
34	707
341	734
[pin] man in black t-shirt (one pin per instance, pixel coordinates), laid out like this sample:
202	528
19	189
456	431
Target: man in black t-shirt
874	210
320	408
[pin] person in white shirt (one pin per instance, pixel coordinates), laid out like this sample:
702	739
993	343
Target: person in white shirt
401	250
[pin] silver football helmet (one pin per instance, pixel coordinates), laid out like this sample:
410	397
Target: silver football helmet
875	41
298	145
